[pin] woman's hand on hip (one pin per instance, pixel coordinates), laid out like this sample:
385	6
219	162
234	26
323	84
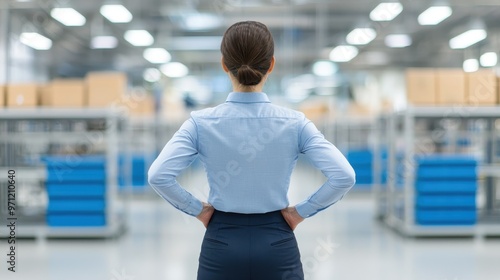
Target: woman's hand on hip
292	217
206	214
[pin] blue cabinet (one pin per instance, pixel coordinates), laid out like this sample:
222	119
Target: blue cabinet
76	187
445	188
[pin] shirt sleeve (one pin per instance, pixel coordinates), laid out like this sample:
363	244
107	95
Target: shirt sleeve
177	155
332	163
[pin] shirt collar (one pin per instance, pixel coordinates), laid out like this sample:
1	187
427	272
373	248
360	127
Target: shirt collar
248	97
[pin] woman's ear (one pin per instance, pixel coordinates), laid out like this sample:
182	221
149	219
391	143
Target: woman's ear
224	67
271	68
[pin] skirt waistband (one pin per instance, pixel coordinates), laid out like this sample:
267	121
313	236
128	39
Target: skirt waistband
247	219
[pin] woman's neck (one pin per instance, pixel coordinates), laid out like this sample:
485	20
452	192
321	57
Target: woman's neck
247	89
237	87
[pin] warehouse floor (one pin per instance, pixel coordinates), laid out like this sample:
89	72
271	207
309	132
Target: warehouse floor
343	242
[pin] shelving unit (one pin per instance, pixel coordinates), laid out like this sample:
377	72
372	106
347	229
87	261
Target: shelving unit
354	136
419	132
380	165
29	136
140	141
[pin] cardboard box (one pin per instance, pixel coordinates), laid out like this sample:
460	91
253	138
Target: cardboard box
43	95
22	95
67	93
2	96
421	86
105	89
452	87
314	111
142	107
498	89
482	88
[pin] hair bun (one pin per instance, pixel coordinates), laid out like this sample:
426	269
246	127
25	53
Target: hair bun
248	76
247	51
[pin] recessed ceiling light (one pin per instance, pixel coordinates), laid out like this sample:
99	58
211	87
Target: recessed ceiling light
343	53
361	36
116	13
35	41
68	16
104	42
175	70
489	59
157	55
434	15
468	38
139	38
471	65
199	21
324	68
386	11
398	41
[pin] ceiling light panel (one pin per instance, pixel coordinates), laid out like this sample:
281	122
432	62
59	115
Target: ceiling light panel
157	55
139	38
471	65
324	68
434	15
68	16
468	38
343	53
116	13
175	70
198	22
35	41
386	11
104	42
361	36
489	59
398	41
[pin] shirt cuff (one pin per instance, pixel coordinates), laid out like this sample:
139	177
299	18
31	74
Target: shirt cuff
305	209
194	209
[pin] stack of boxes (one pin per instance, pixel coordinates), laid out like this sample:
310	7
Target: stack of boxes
2	96
22	96
104	89
76	187
452	87
362	162
68	93
97	90
138	178
446	187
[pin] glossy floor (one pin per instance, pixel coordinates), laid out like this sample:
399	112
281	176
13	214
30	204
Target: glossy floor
343	242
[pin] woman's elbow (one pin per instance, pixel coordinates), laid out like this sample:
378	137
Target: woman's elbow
157	179
154	177
349	178
352	178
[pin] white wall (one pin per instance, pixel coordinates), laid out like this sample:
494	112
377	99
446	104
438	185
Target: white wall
19	63
3	35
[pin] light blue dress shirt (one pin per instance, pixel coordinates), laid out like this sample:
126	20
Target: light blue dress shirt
249	148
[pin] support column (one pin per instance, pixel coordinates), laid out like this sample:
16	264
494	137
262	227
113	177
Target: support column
4	42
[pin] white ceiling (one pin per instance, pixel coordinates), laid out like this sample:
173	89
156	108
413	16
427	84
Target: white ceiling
304	30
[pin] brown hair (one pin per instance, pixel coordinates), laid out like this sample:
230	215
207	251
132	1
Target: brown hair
247	50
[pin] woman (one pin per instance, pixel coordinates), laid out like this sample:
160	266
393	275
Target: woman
249	147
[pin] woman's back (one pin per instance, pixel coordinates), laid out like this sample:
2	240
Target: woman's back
249	148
